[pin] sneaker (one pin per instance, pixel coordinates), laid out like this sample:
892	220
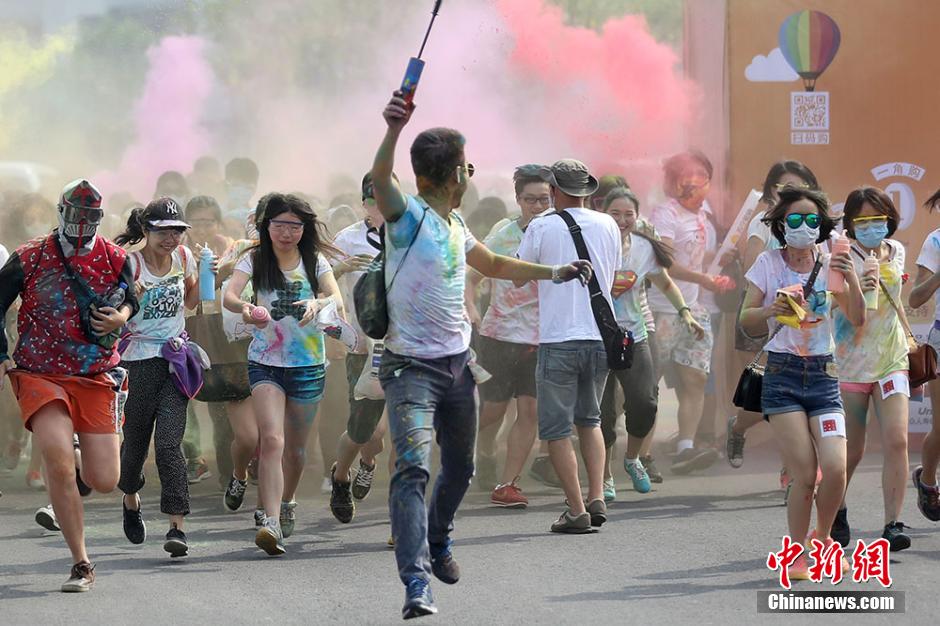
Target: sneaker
81	578
443	565
45	517
259	518
734	445
841	531
34	481
234	494
175	542
509	496
269	537
651	470
83	489
894	533
928	498
197	470
568	524
288	517
134	528
253	470
542	471
641	480
692	459
363	483
598	512
341	500
799	570
610	492
485	475
418	599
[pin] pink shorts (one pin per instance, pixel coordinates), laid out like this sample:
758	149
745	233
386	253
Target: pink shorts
866	388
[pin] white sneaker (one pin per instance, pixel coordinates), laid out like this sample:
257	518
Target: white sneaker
45	517
269	537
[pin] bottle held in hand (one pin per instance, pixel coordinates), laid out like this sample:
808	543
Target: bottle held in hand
871	296
261	315
840	245
206	275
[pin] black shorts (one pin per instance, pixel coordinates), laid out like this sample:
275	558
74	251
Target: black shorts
364	415
512	366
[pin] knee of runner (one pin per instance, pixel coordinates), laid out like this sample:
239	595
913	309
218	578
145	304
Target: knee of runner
296	455
272	443
894	442
60	470
832	470
102	482
805	476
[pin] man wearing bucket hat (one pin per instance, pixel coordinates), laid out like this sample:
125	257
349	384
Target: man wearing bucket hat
72	285
572	361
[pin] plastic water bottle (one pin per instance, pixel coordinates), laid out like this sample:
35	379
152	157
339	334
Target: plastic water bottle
116	297
871	297
206	275
836	281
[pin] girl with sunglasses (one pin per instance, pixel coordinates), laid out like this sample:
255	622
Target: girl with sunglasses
165	276
291	281
800	396
873	358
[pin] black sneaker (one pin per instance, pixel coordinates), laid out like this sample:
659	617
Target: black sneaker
598	512
175	542
734	445
542	471
363	483
443	565
928	498
234	494
651	470
485	477
134	528
418	599
341	500
894	533
692	459
841	531
83	489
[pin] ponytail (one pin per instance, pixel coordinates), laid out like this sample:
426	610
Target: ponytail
663	252
134	233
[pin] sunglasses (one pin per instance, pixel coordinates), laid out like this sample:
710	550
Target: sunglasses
870	221
782	186
283	225
795	220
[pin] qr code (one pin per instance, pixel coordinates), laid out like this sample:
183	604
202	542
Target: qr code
809	111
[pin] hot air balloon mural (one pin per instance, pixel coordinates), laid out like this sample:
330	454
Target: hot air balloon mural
809	41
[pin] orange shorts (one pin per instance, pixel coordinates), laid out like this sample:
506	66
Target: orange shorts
95	403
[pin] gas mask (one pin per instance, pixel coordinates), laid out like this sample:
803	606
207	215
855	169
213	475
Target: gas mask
80	215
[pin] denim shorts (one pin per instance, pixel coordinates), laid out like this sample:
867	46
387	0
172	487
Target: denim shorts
800	383
303	384
570	376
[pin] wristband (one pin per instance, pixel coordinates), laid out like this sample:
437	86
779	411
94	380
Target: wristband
556	274
683	308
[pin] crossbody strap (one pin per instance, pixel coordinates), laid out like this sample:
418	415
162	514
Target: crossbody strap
594	287
894	305
407	250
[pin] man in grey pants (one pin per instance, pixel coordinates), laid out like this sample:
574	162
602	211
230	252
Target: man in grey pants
572	362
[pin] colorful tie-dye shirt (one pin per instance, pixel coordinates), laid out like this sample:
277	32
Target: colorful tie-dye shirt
869	353
513	314
688	233
427	317
161	306
769	273
639	261
283	342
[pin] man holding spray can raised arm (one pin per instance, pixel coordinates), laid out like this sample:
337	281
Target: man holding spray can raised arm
425	370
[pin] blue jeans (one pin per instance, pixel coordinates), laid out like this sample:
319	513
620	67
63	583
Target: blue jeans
570	377
300	384
424	395
800	383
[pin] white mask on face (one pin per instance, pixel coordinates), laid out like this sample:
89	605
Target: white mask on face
800	238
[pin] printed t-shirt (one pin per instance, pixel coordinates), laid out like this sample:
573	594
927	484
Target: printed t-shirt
513	314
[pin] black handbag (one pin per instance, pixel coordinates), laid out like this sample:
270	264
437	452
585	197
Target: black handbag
370	295
618	343
747	395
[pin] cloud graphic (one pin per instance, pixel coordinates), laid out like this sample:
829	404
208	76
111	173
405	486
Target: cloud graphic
772	68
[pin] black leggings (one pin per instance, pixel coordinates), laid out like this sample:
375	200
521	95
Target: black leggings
641	394
154	401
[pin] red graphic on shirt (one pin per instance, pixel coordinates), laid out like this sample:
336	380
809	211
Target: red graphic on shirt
827	561
782	560
871	561
623	282
829	426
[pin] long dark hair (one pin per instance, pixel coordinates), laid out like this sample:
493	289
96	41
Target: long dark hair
788	196
266	275
777	171
134	231
933	202
662	252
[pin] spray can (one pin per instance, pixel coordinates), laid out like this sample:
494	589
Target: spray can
206	276
871	296
260	314
836	281
412	75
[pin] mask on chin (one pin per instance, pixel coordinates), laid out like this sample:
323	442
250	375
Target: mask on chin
692	194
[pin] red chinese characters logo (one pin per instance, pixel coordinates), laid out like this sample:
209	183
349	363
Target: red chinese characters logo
828	561
782	560
871	561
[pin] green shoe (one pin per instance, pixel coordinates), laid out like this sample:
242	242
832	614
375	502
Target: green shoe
610	493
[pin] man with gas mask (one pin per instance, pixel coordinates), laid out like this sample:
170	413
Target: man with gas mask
74	300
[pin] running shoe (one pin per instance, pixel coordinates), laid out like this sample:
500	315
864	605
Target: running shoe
841	531
598	512
734	445
81	578
897	539
928	498
288	517
610	491
542	471
641	480
651	470
363	483
443	565
175	542
694	459
485	475
234	494
341	501
134	528
269	537
418	599
573	525
509	496
799	569
259	518
197	470
45	517
34	481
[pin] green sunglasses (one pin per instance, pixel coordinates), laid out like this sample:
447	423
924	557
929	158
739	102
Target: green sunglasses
794	220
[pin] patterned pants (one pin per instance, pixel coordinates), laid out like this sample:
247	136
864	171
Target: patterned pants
155	408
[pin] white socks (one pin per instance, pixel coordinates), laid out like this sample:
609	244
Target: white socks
683	445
